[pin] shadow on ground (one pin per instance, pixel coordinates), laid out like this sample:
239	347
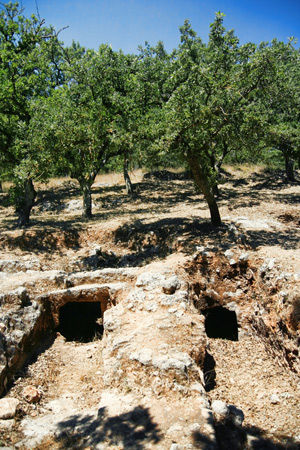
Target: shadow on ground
230	437
247	192
288	240
163	237
157	194
136	430
44	239
133	430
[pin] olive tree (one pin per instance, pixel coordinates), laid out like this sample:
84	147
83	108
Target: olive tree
211	108
84	119
29	69
282	102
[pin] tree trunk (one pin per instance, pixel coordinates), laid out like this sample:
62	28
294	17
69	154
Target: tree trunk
85	187
222	157
289	168
128	184
214	212
216	190
203	184
25	202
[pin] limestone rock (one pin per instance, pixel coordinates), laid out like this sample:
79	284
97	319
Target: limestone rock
136	297
112	318
267	266
274	399
8	407
33	264
6	424
150	281
74	205
83	292
244	258
211	293
178	360
104	293
18	298
229	254
102	276
14	266
31	394
143	356
227	413
11	266
220	410
171	285
18	327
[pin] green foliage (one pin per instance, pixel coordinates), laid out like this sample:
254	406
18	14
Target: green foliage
213	107
80	112
282	100
151	90
87	122
28	70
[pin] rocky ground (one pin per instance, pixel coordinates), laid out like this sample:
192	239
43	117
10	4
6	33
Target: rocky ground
154	378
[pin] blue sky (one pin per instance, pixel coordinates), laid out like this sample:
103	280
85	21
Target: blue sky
126	24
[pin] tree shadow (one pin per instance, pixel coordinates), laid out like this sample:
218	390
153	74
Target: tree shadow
166	175
163	237
45	240
67	189
275	180
291	199
157	195
132	430
111	201
262	184
288	240
241	197
231	437
165	194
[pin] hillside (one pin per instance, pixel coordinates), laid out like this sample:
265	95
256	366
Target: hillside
186	314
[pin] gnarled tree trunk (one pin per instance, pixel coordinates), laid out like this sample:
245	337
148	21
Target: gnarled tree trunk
128	184
203	184
85	187
289	168
24	202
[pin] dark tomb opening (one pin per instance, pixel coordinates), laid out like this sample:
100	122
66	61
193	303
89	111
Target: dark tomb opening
81	321
221	323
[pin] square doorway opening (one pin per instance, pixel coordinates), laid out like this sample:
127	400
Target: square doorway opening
81	321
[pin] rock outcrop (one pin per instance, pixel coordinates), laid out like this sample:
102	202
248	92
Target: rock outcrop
27	318
22	324
154	351
155	338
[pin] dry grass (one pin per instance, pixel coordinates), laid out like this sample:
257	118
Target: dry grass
113	178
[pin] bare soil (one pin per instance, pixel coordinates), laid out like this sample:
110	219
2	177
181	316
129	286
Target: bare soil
166	220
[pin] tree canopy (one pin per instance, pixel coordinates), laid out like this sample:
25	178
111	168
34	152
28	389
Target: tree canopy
80	118
76	111
29	69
